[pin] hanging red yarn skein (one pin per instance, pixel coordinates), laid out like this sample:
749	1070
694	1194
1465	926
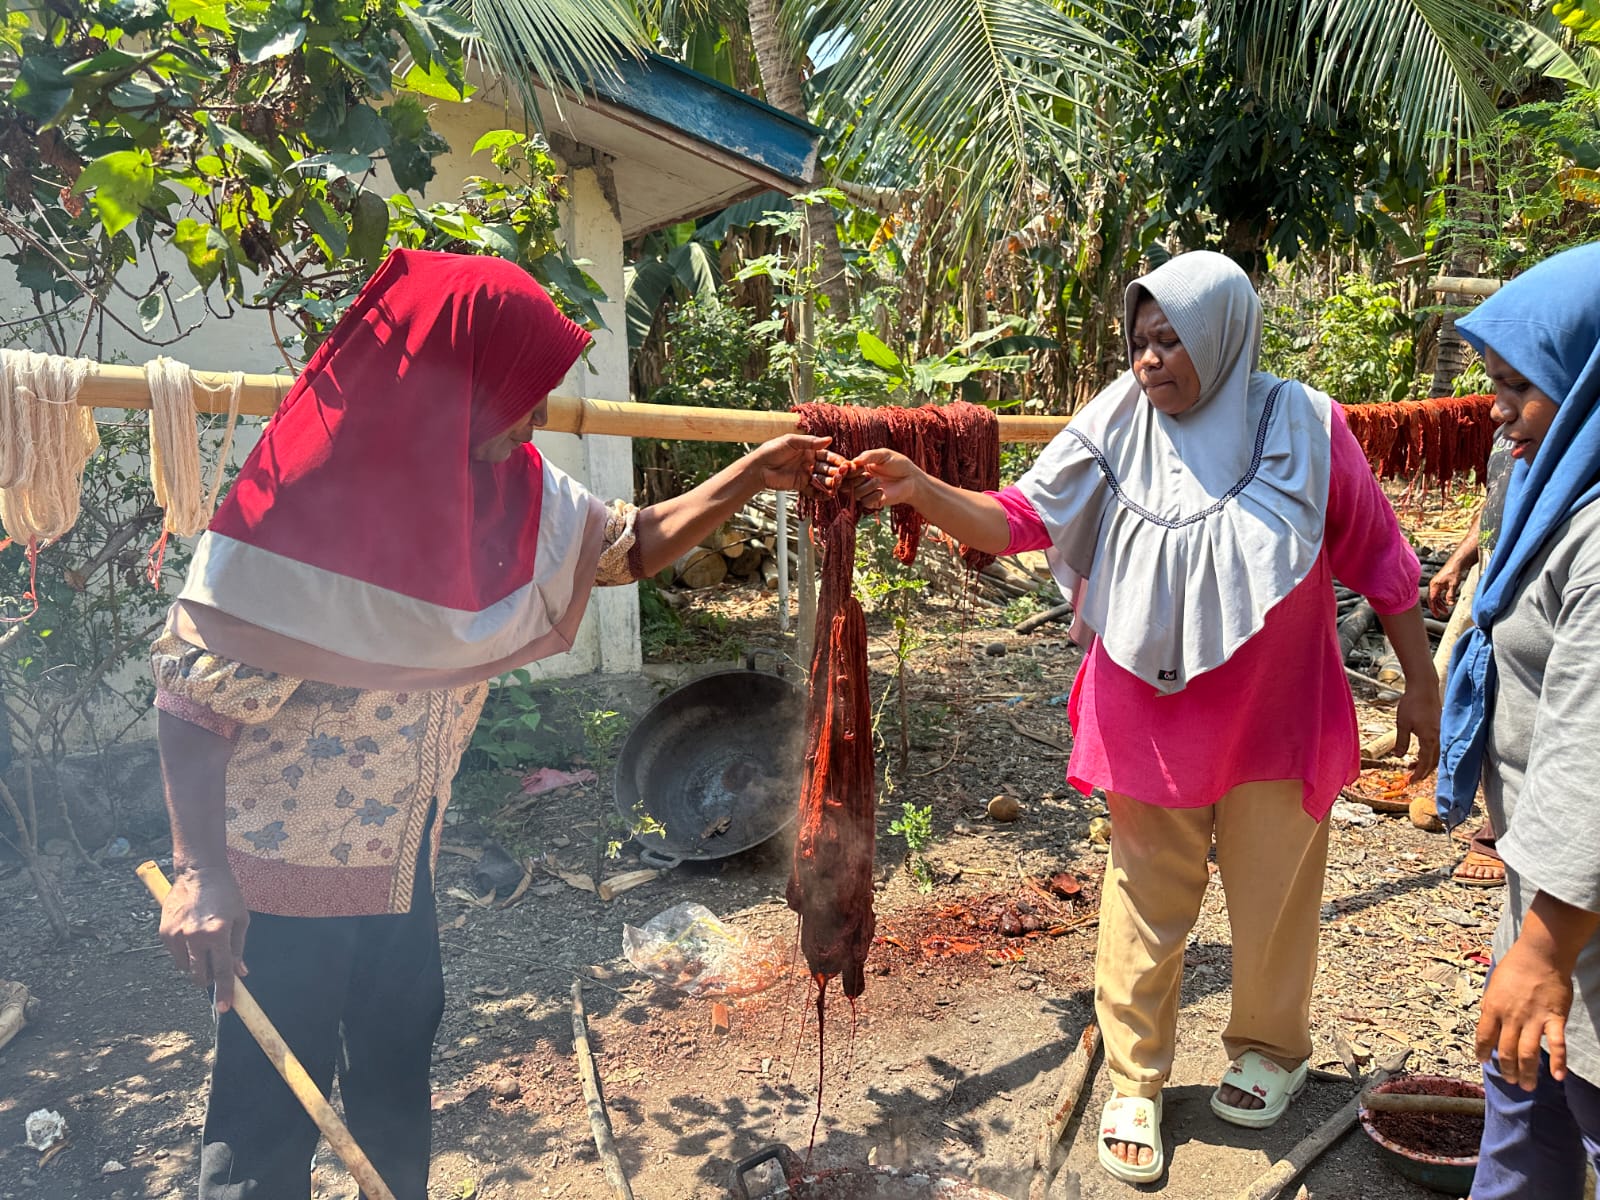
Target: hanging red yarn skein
1436	438
831	882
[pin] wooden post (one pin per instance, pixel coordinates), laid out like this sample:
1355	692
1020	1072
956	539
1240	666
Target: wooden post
805	634
781	549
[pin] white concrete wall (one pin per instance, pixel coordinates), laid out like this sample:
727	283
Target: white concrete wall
608	639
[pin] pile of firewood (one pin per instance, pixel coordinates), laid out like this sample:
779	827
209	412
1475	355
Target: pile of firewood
735	551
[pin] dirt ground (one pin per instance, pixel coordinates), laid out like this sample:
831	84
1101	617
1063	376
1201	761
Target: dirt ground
949	1062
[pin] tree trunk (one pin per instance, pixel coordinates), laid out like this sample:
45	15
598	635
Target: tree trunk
780	79
739	57
1245	241
27	843
1452	355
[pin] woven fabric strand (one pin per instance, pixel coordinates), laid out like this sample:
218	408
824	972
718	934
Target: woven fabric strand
1437	439
46	438
831	882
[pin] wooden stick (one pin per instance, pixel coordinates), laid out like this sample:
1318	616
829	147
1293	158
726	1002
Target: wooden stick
118	386
609	889
1270	1185
1395	1102
288	1066
1464	285
599	1121
1074	1074
1043	618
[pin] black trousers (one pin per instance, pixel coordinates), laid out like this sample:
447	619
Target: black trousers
358	995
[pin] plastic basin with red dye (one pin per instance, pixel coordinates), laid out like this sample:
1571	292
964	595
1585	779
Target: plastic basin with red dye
1437	1150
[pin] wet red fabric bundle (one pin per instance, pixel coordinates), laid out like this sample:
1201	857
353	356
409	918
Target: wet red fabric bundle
831	883
1437	438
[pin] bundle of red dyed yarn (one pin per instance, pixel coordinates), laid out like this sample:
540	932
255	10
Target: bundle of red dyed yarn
831	883
1437	439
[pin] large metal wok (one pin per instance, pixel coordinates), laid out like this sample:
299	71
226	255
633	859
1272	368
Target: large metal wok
850	1183
715	764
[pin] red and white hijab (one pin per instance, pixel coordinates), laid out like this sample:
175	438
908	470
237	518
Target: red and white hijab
362	545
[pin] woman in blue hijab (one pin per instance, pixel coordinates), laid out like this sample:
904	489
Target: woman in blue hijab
1522	715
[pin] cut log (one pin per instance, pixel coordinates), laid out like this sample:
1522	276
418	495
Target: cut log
747	562
723	537
700	568
769	573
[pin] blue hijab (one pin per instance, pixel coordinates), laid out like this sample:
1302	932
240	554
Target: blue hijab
1546	324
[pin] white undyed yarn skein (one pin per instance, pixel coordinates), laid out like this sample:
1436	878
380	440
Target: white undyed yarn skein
46	437
175	445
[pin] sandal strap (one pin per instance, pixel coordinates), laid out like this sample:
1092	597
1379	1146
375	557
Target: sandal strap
1258	1075
1131	1119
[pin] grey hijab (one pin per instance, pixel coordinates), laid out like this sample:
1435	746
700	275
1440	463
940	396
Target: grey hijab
1177	535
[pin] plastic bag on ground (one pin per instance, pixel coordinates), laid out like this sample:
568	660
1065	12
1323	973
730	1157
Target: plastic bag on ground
689	949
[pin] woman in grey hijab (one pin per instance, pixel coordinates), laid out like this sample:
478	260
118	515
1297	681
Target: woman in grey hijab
1197	511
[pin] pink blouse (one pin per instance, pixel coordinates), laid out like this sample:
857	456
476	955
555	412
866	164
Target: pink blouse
1280	708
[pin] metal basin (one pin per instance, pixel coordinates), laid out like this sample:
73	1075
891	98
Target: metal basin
850	1183
716	764
1451	1176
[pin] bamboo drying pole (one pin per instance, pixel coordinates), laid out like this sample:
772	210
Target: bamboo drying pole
115	386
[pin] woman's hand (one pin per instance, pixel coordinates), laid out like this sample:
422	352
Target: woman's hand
798	462
882	478
1418	713
1444	587
1528	999
203	924
1530	992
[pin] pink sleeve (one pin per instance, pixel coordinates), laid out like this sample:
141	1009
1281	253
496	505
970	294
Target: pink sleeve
1027	530
1364	544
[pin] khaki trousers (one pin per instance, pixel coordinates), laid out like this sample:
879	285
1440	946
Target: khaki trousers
1272	857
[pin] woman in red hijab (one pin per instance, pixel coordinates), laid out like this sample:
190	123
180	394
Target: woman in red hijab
392	543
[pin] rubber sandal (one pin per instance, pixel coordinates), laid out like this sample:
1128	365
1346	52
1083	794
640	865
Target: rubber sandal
1259	1075
1477	858
1137	1120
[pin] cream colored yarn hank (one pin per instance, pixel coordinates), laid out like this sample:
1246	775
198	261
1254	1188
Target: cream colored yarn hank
175	445
46	438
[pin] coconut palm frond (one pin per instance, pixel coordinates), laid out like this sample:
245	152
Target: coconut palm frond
976	91
559	43
1437	63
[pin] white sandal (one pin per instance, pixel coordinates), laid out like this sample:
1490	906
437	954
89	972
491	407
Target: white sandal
1258	1075
1135	1120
